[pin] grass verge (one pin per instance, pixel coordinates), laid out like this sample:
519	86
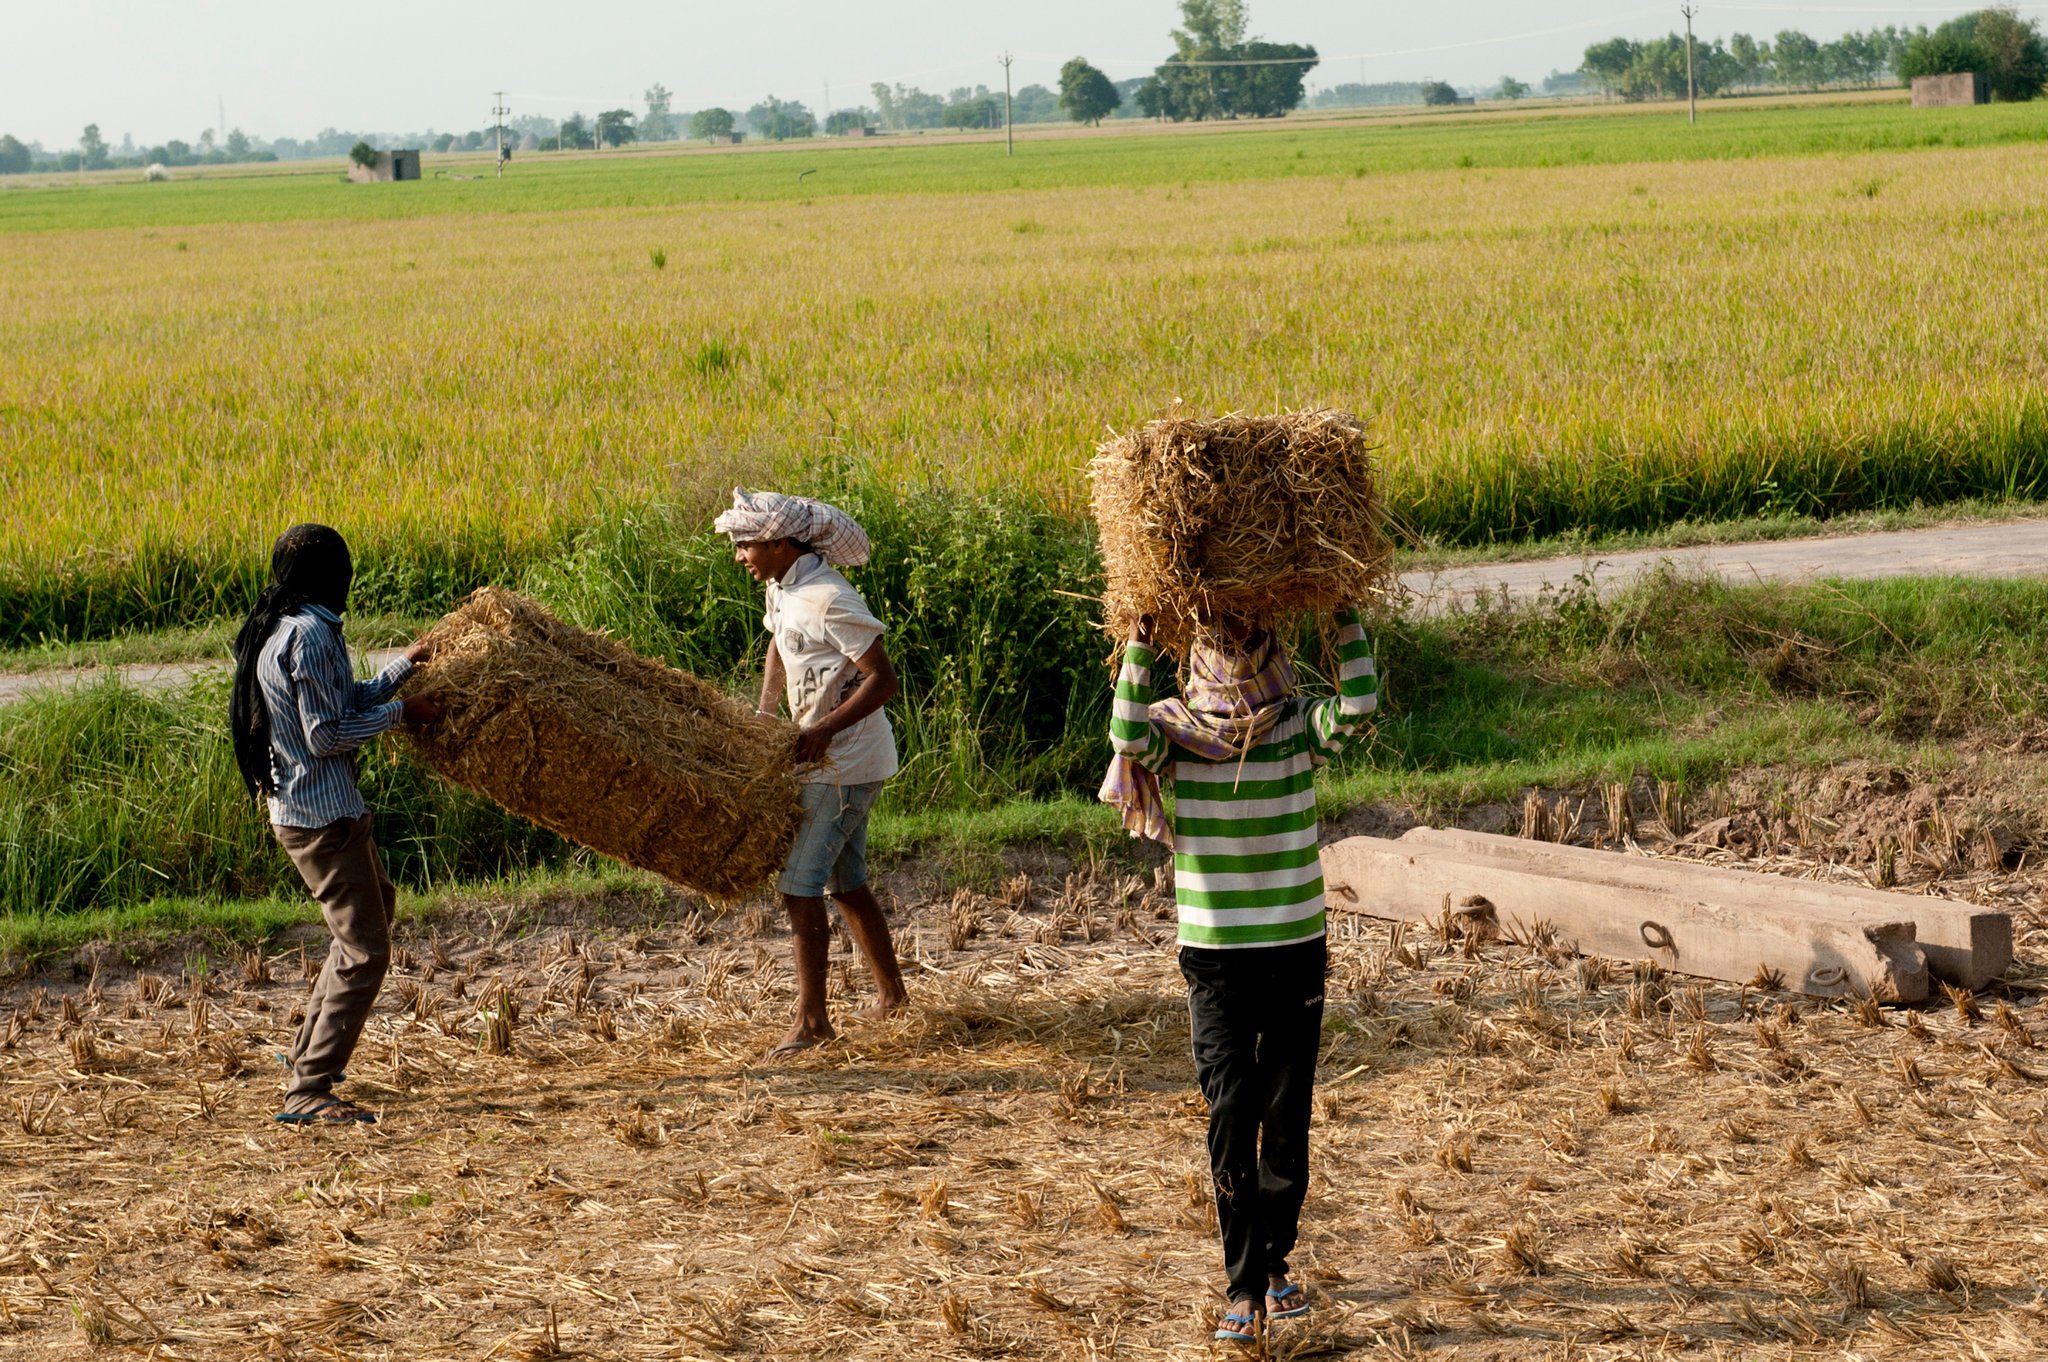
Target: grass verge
123	805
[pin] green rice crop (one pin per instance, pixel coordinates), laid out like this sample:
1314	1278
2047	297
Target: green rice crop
1120	156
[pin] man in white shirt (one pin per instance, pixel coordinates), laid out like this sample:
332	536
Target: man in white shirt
825	656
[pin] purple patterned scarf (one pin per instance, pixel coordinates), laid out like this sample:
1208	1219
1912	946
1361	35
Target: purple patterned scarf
1230	701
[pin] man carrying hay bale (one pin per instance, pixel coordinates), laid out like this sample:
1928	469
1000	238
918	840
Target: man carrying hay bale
297	716
1241	748
825	654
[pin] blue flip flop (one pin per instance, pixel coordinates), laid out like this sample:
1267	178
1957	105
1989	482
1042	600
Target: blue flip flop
328	1111
1225	1333
1277	1306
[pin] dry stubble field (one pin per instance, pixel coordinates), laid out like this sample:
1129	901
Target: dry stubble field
1520	1155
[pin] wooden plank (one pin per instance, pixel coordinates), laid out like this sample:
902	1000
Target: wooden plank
1809	951
1965	945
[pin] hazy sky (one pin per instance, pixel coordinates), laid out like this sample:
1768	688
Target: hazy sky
155	69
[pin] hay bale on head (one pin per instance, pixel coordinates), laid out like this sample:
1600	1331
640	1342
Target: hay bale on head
1252	517
631	758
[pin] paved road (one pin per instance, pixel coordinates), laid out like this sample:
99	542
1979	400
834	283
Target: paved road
2017	548
144	676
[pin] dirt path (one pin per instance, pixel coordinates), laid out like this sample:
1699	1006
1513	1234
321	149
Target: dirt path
2015	548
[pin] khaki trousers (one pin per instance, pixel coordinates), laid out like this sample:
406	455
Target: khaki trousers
340	865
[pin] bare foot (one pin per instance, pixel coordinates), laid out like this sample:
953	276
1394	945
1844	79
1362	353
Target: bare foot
802	1037
886	1008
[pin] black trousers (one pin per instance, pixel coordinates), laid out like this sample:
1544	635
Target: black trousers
1257	1019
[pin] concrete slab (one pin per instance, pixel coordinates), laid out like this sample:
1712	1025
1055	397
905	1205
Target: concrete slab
1806	950
1965	945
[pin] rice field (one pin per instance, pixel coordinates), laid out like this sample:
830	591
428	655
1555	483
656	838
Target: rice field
1518	1154
1577	347
1123	154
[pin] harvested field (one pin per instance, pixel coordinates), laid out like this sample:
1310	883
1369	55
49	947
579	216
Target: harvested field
1520	1155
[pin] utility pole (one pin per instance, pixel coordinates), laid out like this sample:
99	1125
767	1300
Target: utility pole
1009	122
1692	106
498	112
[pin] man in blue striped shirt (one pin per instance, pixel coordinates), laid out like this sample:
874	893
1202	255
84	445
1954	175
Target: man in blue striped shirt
298	715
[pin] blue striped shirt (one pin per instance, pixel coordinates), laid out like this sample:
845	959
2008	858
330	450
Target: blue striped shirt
319	715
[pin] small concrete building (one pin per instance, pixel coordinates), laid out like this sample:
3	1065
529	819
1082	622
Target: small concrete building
390	165
1957	87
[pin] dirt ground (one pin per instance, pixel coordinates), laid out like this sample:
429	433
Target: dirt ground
1519	1154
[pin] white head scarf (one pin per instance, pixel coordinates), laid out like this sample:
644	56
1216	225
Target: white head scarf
837	536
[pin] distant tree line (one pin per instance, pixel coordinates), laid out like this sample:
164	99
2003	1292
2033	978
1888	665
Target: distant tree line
2006	48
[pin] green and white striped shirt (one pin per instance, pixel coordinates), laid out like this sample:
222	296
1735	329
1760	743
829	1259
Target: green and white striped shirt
1245	863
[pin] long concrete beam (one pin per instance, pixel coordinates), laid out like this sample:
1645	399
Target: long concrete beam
1965	945
1714	936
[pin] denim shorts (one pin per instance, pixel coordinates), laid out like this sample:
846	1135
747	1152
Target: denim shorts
831	851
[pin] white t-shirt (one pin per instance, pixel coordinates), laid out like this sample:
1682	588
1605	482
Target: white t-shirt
820	625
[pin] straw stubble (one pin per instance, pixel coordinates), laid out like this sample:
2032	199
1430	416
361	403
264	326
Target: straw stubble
631	758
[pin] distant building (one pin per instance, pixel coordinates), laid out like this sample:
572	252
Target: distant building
1957	87
390	165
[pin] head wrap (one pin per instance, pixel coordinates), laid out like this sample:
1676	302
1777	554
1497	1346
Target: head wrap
1230	701
832	533
309	565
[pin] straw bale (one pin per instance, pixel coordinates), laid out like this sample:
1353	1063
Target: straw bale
1251	517
631	758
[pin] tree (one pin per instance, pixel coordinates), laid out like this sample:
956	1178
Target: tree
14	156
615	127
1436	92
1216	72
2015	59
238	144
659	125
713	125
92	148
1510	88
1085	93
974	111
1607	64
781	119
1751	58
1036	104
1273	87
843	121
1939	53
574	134
1797	57
444	141
363	154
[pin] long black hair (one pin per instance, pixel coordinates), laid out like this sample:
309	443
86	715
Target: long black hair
309	565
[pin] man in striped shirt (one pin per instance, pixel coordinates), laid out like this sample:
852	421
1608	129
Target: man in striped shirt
298	715
1241	748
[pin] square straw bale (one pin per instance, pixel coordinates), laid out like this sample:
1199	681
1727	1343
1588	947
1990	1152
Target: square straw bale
631	758
1252	517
